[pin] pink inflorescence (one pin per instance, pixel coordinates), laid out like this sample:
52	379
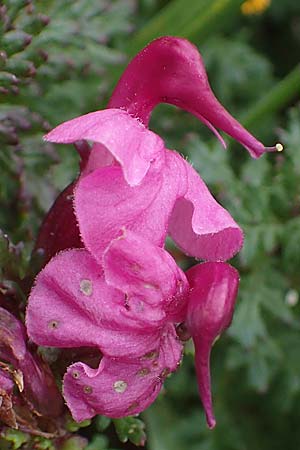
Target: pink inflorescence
109	284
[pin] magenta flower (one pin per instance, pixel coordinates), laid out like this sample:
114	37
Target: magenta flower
148	189
32	376
121	293
211	302
126	307
134	163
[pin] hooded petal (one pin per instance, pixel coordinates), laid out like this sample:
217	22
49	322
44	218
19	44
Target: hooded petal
133	145
171	70
211	302
172	197
147	274
71	305
118	388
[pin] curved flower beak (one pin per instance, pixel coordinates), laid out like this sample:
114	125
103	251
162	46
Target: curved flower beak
171	70
211	302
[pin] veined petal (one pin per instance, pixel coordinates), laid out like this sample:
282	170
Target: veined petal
118	388
171	70
147	274
211	302
71	305
127	139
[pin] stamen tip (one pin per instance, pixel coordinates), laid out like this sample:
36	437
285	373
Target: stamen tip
279	147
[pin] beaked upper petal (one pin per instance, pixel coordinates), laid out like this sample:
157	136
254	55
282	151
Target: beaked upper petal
171	70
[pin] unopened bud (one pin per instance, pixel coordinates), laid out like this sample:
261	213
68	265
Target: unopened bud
20	67
210	308
8	79
37	57
15	41
3	59
35	24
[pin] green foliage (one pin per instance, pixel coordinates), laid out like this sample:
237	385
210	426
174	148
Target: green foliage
16	438
60	59
130	429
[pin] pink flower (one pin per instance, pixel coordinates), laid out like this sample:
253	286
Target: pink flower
148	189
121	293
125	306
211	302
134	162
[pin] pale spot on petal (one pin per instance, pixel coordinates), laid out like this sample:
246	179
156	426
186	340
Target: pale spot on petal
120	386
86	287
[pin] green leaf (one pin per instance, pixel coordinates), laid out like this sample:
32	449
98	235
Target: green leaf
102	422
98	442
75	443
73	426
132	429
15	437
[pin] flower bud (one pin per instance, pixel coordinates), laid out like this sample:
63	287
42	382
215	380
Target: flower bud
211	302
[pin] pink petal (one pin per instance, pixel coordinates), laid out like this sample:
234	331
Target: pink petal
133	145
147	274
99	156
210	308
199	225
171	70
72	306
118	388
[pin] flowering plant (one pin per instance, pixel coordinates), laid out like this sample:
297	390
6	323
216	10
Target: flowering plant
121	289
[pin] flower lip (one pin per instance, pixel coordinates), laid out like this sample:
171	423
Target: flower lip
171	70
125	137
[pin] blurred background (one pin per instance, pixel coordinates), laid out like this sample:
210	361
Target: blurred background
60	59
